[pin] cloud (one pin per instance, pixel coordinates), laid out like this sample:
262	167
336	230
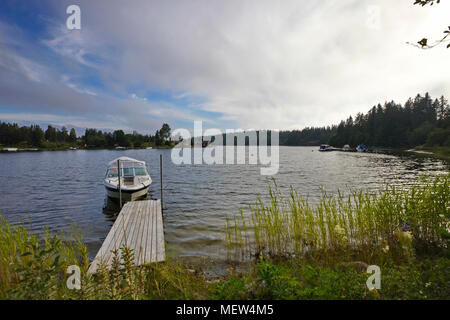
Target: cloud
257	64
68	43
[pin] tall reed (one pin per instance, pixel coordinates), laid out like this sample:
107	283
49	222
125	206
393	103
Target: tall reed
361	225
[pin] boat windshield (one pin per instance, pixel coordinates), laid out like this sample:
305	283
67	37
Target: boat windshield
140	172
112	173
126	172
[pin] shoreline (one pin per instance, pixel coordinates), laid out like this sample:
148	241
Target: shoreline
330	263
436	152
21	150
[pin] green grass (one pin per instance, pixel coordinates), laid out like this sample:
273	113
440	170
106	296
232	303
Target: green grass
294	279
296	251
33	268
440	151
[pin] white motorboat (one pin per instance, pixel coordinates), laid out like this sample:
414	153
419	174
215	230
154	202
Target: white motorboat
134	179
347	148
325	148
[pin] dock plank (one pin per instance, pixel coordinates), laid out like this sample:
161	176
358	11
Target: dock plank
148	244
137	238
144	238
120	236
154	234
110	240
161	256
139	226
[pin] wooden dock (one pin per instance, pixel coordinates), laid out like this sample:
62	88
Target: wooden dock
139	226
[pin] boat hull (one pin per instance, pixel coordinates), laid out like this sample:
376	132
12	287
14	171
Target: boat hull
127	195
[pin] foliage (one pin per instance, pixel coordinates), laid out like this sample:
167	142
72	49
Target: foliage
303	252
307	136
363	226
33	268
393	125
439	137
162	136
55	139
300	279
12	134
423	44
420	120
322	252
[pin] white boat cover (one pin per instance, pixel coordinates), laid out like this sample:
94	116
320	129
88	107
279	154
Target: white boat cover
126	162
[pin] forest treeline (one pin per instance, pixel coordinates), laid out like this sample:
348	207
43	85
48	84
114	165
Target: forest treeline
420	121
11	134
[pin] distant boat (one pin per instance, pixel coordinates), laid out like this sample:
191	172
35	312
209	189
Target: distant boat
325	147
347	148
29	149
120	148
72	148
134	179
10	149
149	148
362	148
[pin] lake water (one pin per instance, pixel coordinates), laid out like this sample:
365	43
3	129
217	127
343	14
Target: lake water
64	188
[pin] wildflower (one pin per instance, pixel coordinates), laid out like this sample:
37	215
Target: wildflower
442	216
427	284
407	235
404	236
385	249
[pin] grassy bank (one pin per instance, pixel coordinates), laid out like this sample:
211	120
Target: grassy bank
32	268
293	250
323	251
441	152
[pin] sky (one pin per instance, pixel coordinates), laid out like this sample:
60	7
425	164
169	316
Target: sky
251	64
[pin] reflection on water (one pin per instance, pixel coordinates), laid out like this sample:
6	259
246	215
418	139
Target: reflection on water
111	208
59	189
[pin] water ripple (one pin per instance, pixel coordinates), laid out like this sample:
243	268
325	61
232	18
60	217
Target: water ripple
60	189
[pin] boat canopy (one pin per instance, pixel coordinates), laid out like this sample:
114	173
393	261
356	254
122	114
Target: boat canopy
126	162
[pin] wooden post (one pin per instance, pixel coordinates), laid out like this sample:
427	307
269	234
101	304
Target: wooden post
120	188
161	181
